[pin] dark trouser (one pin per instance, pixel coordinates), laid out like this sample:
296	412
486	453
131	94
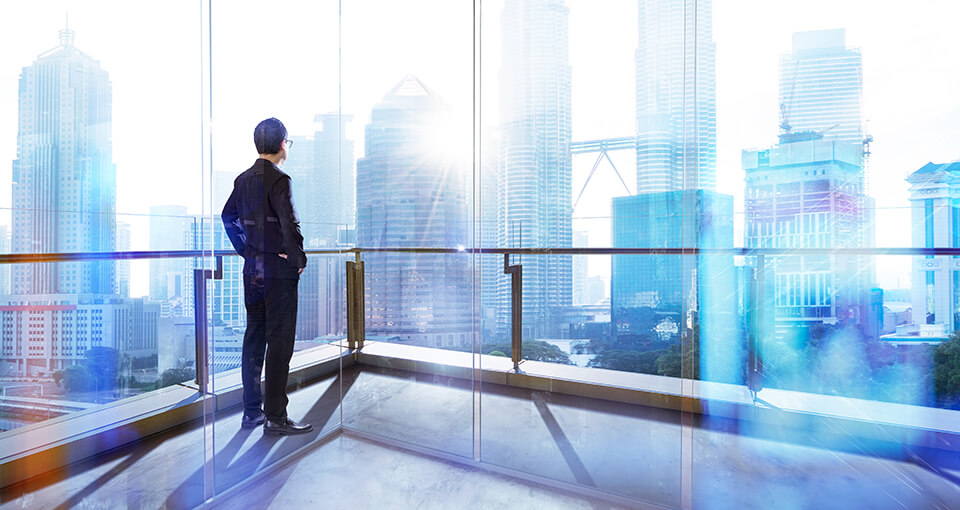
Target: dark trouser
271	326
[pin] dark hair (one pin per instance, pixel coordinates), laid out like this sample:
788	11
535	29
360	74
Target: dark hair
269	136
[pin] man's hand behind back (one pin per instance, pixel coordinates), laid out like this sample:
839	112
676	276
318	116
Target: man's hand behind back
284	257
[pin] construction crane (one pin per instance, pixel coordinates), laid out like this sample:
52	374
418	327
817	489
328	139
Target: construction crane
784	123
831	128
866	146
784	116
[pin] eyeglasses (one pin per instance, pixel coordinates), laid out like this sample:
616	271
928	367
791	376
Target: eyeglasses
289	143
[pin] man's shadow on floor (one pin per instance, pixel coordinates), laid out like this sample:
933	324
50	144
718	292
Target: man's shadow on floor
230	470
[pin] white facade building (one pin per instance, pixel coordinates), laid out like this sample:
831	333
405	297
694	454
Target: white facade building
43	333
935	215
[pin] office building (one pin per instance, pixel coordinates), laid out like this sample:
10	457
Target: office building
806	192
671	286
42	333
122	286
225	306
324	180
491	265
935	221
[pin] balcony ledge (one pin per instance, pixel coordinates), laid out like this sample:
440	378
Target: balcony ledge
35	449
868	419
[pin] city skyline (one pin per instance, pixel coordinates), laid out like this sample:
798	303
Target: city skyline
407	181
876	61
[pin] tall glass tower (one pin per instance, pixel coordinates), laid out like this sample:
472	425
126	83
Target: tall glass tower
821	86
64	179
676	96
534	199
411	194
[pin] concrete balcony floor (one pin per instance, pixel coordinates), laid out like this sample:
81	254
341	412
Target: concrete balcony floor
645	454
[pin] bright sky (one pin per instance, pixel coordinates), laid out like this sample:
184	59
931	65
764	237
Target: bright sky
282	60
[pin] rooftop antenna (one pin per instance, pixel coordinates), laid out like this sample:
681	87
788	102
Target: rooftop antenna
66	35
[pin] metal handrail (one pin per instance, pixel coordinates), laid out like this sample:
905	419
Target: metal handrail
775	252
355	279
28	258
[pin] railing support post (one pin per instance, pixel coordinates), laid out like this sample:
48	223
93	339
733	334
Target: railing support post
355	305
756	324
516	310
200	277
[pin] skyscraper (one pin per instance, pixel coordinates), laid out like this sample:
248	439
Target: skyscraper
64	179
491	265
676	96
411	193
535	207
324	182
809	190
331	206
821	86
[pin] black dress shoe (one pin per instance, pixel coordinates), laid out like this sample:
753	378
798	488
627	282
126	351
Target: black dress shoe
286	427
248	423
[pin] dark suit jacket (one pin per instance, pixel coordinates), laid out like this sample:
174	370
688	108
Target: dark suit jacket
261	223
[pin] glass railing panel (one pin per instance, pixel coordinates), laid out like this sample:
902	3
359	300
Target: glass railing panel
542	421
66	353
416	380
85	346
563	166
408	85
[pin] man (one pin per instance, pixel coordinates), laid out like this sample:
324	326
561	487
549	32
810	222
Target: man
264	229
